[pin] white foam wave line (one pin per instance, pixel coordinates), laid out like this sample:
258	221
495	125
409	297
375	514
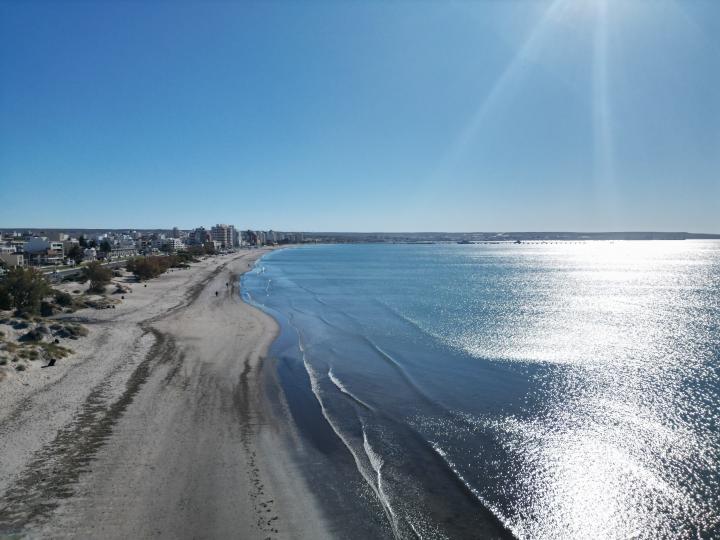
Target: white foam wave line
377	462
314	385
337	382
340	386
495	510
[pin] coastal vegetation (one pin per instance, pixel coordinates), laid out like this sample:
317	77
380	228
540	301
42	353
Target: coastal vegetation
30	341
23	289
145	268
98	275
32	336
28	300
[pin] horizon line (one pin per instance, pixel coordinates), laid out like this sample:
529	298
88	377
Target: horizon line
519	231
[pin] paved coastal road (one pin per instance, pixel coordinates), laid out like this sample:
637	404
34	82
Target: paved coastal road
58	275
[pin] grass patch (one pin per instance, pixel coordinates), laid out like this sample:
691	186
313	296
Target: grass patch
52	350
28	353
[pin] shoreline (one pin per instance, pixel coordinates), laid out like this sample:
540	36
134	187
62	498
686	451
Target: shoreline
159	424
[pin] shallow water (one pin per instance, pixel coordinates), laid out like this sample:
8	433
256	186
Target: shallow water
567	390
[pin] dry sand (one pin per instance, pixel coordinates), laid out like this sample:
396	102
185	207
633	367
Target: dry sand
158	425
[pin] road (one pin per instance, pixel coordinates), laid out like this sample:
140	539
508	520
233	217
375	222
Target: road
58	275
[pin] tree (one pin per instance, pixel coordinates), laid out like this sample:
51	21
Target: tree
83	241
98	275
105	246
92	244
196	251
76	254
26	287
145	267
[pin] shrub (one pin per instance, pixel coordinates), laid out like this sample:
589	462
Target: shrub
20	367
32	335
146	267
98	275
46	309
63	299
29	354
72	331
149	267
55	351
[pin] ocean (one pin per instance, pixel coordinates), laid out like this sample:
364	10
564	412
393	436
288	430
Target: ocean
539	390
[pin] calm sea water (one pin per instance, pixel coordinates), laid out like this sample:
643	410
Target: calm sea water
567	390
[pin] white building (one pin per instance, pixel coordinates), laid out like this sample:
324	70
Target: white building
90	254
173	244
225	234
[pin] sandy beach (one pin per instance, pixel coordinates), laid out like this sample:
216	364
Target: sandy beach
157	425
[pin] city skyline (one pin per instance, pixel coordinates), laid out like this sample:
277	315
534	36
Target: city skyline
515	116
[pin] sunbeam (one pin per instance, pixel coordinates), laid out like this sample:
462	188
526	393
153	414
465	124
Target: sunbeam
604	166
501	88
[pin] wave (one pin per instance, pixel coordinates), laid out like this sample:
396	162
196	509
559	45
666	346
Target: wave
397	366
494	510
377	462
312	293
412	322
340	386
357	457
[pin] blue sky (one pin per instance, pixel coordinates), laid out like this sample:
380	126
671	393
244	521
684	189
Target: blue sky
362	116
